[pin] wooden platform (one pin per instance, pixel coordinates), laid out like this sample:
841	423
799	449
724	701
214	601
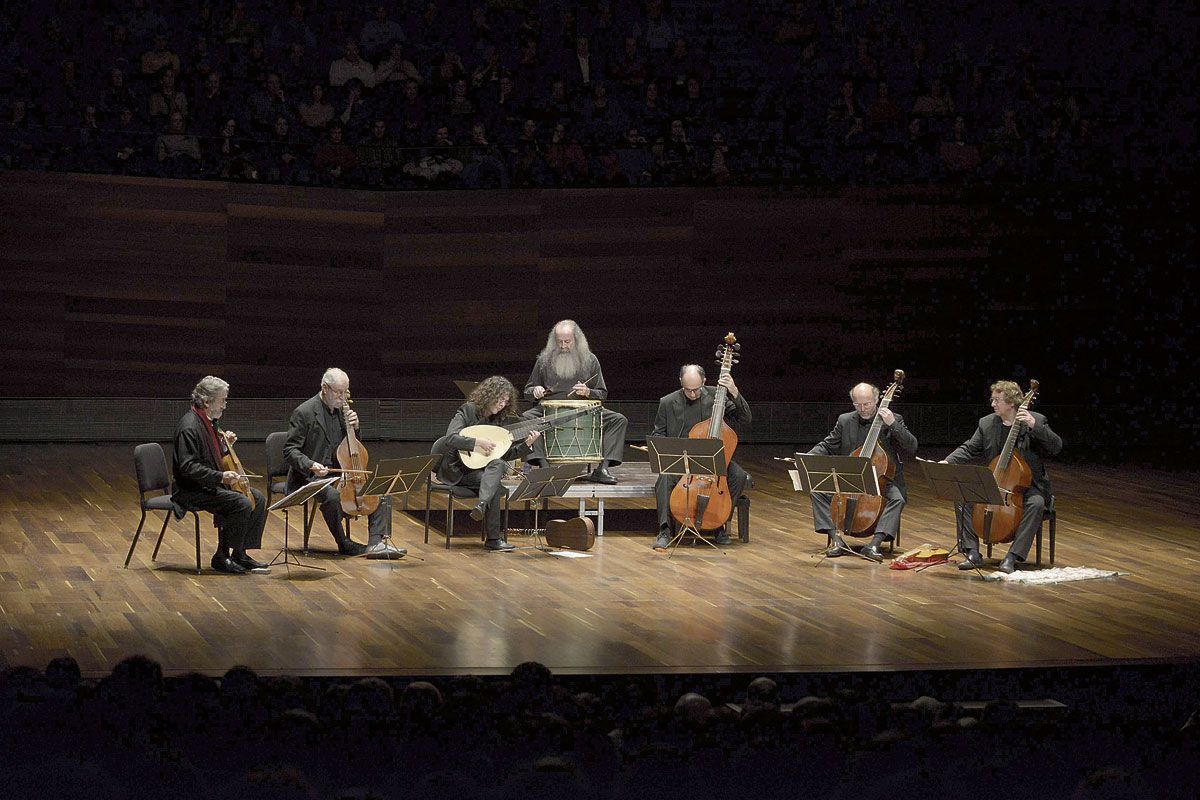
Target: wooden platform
67	513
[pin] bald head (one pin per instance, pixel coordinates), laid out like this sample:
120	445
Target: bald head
865	397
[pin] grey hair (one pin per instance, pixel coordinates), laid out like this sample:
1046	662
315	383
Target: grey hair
870	386
581	342
208	388
699	369
333	375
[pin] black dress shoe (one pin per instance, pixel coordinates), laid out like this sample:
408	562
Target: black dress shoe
479	511
972	561
498	546
250	565
722	537
601	475
662	541
349	547
223	563
873	552
838	547
1008	564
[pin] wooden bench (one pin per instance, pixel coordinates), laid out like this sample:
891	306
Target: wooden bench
634	480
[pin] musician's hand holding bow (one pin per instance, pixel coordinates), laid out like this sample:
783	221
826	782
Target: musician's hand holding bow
581	389
320	470
231	478
533	436
726	380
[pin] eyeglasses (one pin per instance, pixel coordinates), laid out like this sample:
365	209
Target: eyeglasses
693	392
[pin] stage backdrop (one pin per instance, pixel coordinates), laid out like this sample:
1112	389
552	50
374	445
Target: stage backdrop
133	288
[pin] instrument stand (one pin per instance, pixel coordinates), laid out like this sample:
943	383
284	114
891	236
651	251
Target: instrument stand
687	457
838	475
395	477
962	484
542	484
297	498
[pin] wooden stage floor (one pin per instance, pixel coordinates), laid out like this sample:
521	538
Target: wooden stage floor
67	513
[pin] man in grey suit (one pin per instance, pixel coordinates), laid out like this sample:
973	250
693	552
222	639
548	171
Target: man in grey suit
677	413
849	434
1035	440
315	430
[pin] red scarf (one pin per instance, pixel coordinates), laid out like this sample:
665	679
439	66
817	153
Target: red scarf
213	443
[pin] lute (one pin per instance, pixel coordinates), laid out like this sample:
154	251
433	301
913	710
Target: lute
503	437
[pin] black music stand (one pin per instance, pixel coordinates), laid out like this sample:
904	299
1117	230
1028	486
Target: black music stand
838	475
297	498
400	476
542	484
963	484
687	457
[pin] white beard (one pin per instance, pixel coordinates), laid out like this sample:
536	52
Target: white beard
566	366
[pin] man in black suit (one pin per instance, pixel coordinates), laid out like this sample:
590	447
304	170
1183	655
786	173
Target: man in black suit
485	406
316	428
1035	440
677	413
848	434
201	484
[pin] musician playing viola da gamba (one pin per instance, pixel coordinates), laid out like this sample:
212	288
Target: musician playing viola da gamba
1034	441
485	406
848	434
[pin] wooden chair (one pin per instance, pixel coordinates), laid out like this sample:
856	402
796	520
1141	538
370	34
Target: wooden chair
1048	515
150	462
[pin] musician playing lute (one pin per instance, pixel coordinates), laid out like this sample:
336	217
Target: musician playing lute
485	406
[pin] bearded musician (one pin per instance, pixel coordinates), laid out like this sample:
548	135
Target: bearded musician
566	369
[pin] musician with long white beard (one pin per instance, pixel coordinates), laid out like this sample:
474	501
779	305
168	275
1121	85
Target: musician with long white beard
485	406
567	369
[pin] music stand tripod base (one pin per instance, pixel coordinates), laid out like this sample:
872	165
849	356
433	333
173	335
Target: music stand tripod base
687	458
297	498
542	484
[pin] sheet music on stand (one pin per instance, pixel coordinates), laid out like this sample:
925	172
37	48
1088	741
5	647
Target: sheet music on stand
687	458
542	484
846	475
964	485
297	498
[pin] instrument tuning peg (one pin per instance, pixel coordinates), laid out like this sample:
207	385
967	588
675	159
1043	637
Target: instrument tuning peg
737	346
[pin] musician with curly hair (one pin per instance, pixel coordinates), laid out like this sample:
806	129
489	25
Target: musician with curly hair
485	406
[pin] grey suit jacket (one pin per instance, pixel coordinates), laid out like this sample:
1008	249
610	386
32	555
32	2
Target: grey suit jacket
314	434
848	435
988	440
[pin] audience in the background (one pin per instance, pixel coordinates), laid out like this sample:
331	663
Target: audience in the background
867	92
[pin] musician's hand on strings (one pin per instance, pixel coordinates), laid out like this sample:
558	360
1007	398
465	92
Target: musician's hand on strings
726	380
581	389
887	416
539	392
533	436
231	478
1024	417
484	446
351	417
230	437
320	470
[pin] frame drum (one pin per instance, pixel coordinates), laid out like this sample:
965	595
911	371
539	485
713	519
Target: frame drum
579	439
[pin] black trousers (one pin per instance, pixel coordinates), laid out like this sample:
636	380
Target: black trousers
378	523
736	478
241	526
486	483
1027	528
889	518
612	426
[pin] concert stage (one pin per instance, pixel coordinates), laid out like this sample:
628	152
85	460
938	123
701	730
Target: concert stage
68	512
